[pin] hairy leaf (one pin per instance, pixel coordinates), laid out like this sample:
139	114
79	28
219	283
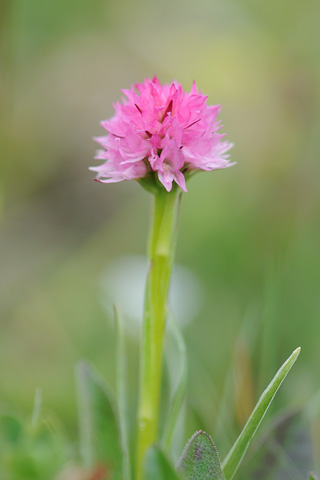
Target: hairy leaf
200	459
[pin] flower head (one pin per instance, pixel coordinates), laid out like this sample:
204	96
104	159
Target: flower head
161	132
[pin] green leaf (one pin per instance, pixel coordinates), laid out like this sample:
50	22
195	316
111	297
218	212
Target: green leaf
313	476
158	467
283	452
237	452
10	429
30	452
200	459
179	394
122	394
99	432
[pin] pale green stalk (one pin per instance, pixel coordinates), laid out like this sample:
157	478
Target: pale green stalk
122	394
160	253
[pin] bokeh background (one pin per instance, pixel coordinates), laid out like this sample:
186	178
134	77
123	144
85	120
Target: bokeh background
248	249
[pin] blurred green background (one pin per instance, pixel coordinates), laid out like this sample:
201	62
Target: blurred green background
249	235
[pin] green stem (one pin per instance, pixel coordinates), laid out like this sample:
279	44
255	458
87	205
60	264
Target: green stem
161	251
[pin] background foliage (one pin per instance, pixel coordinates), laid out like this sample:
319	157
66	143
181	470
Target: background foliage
249	236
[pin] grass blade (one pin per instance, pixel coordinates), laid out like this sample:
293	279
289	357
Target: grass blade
234	457
36	413
284	451
180	391
312	476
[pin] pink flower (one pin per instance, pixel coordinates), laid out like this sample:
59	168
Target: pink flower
162	133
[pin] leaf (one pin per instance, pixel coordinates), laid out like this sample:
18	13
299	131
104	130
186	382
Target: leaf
179	394
122	394
312	476
283	452
158	467
237	452
10	429
30	452
200	459
99	433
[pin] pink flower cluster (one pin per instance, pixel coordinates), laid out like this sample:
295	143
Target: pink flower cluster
161	129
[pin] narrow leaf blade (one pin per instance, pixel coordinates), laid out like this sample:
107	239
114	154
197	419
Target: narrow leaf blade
237	452
99	433
179	394
313	476
284	451
200	459
158	467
